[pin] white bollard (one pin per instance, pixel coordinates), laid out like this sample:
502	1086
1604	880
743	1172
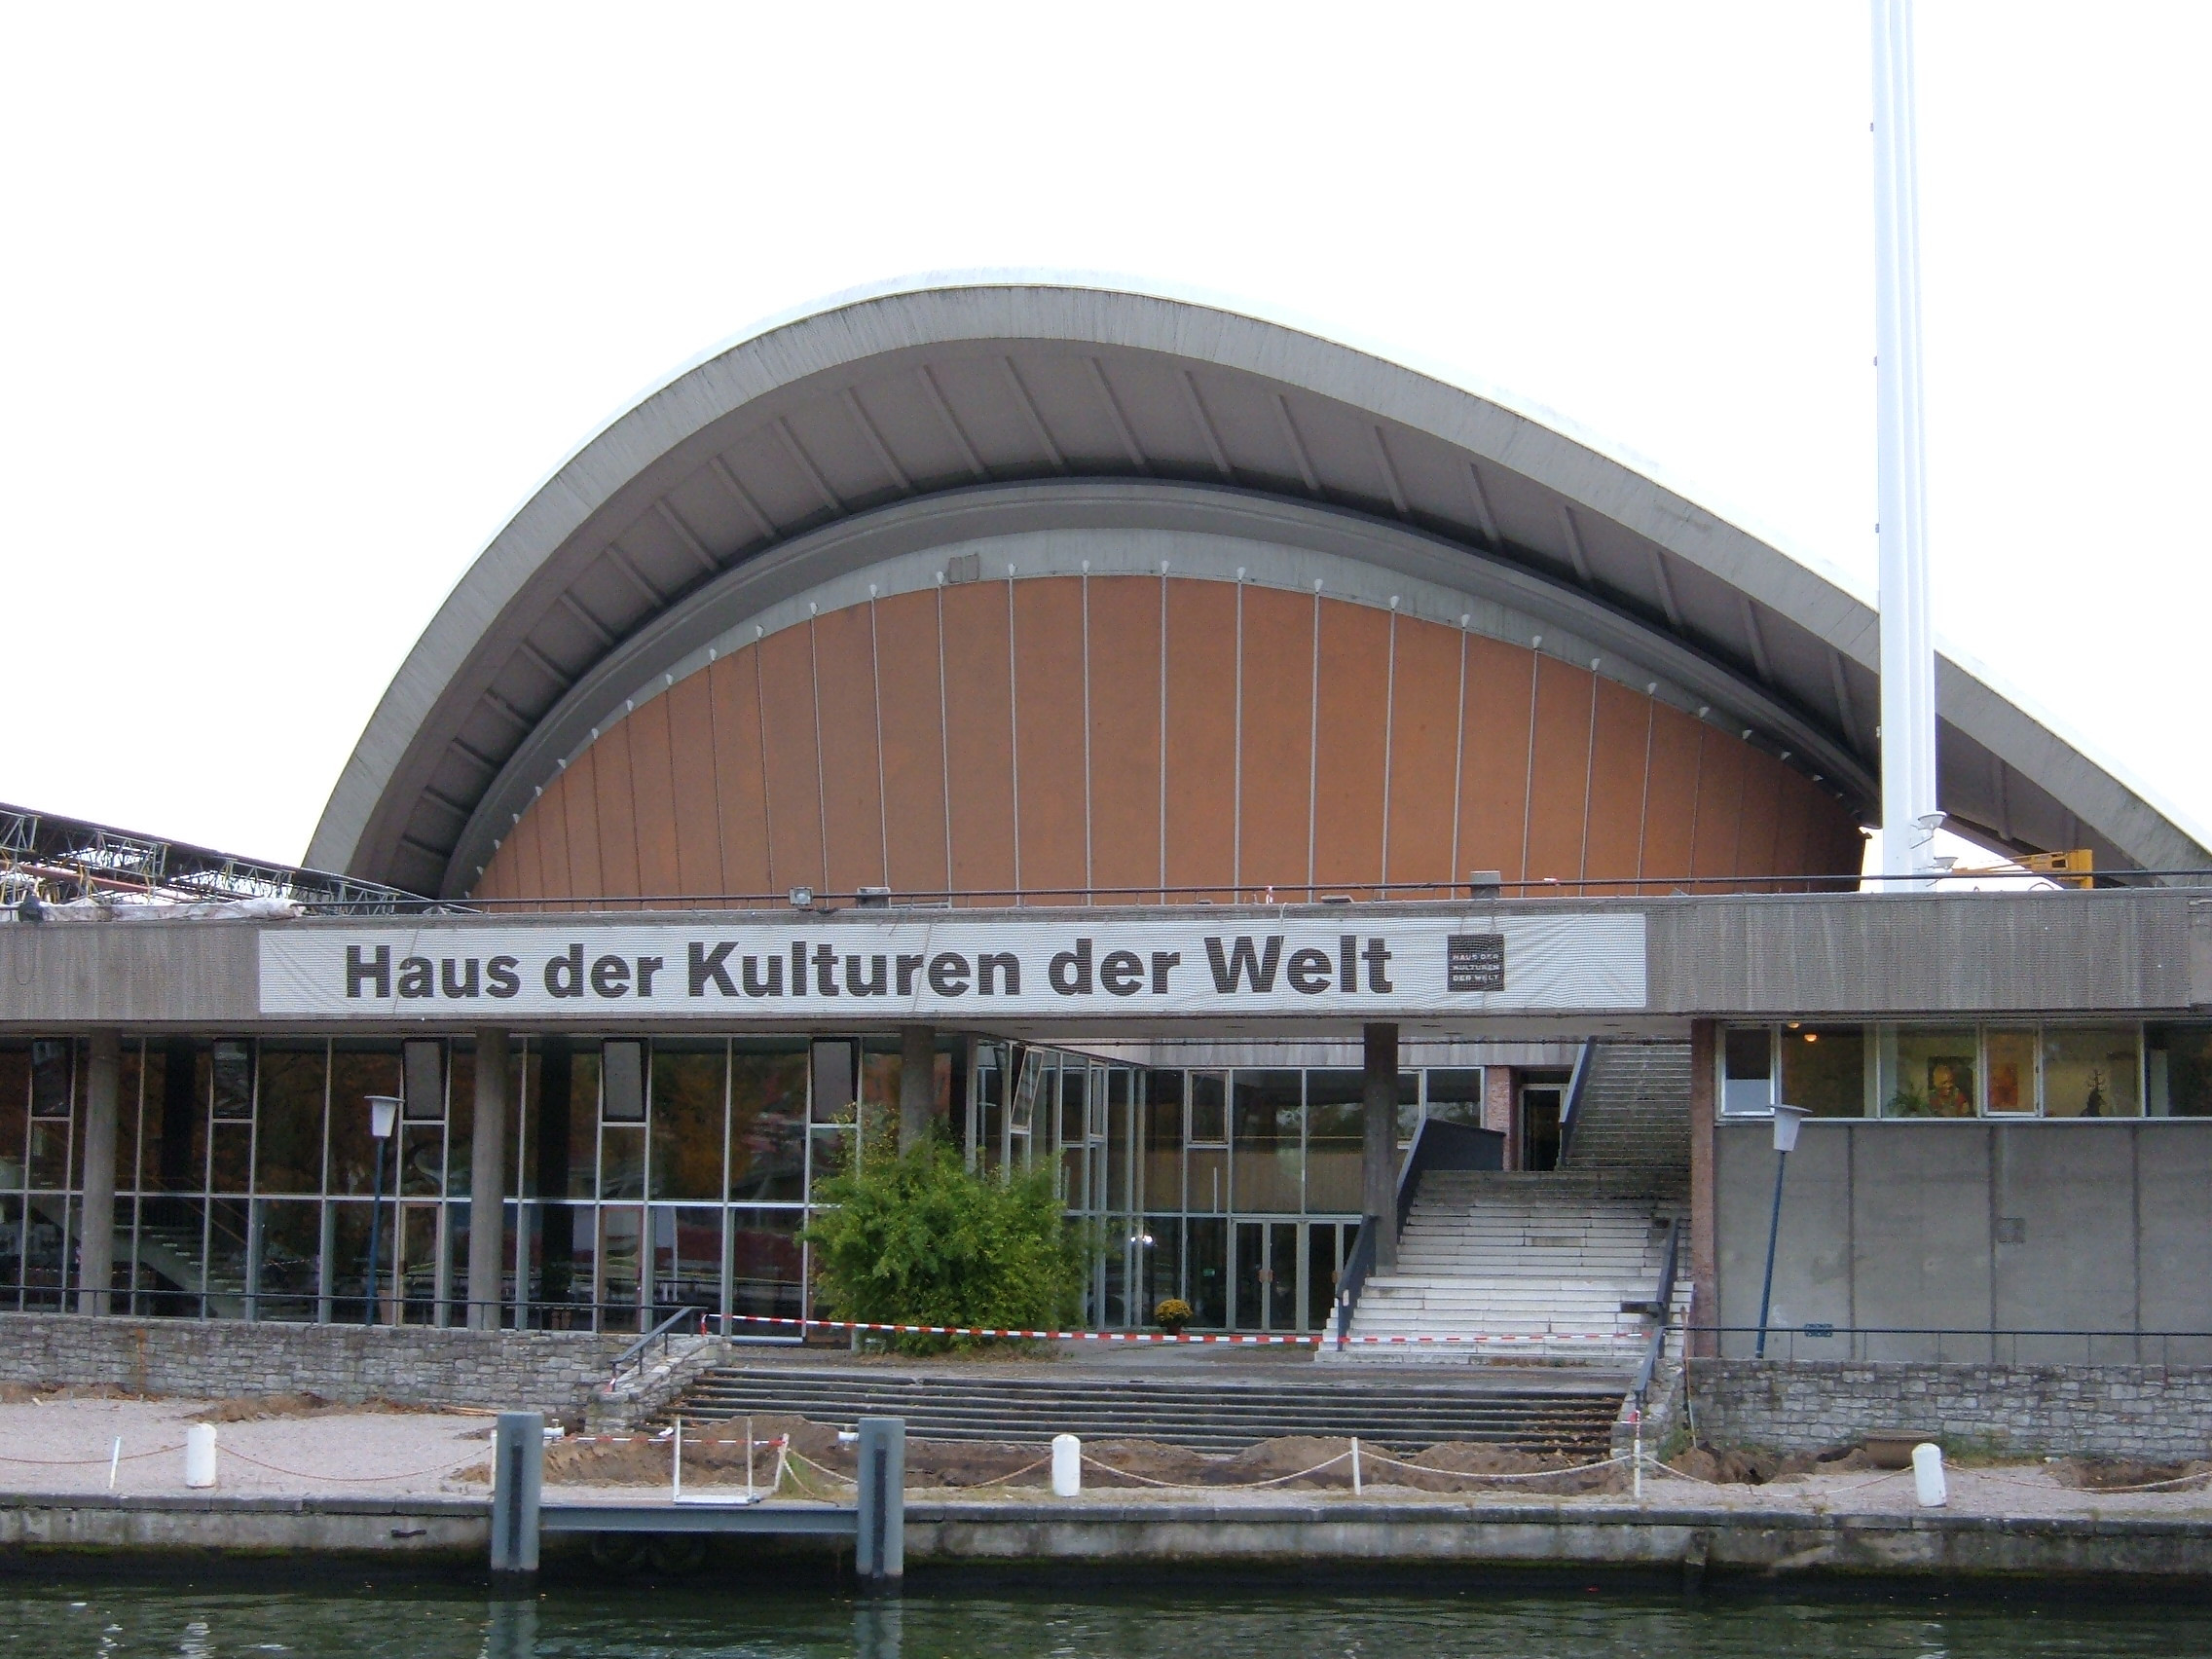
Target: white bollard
1927	1476
1067	1466
200	1455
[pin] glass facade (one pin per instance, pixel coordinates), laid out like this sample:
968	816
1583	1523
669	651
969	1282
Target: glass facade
648	1175
2012	1069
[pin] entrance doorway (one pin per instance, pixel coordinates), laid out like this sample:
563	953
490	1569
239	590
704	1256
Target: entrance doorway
1540	1107
1285	1274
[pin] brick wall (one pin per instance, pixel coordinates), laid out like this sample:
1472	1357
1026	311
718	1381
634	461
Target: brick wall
550	1371
2119	1410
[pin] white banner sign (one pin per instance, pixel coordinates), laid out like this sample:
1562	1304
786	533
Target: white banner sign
946	968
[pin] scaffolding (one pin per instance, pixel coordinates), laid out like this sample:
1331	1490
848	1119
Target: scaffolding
47	860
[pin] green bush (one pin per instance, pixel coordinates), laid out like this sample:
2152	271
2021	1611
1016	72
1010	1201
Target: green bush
918	1238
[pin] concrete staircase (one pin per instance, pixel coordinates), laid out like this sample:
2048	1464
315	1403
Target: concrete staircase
1176	1407
1556	1266
1631	1126
1539	1265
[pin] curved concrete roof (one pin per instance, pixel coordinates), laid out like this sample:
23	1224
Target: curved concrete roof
931	408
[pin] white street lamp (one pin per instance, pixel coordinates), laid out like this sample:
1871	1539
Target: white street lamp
383	1117
1786	1122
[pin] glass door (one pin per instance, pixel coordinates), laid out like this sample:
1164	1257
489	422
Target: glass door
1266	1279
1540	1104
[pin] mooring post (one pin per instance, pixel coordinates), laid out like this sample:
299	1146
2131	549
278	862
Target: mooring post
518	1477
880	1559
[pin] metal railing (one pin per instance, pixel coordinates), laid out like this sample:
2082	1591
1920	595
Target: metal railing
1437	1145
1570	1109
1662	1307
1921	1345
633	1357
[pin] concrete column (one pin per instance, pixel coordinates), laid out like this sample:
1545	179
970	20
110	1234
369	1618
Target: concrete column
1705	1277
96	1231
487	1179
917	1084
1379	1163
518	1478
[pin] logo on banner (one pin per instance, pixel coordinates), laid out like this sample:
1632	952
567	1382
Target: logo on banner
1475	962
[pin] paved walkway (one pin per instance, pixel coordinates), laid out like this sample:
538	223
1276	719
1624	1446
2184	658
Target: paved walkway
63	1446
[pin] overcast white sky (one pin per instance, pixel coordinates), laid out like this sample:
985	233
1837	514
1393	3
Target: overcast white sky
297	304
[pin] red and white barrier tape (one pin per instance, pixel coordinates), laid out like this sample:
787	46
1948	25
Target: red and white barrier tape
1267	1340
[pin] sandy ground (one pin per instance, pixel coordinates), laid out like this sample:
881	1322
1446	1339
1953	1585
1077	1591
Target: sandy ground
63	1446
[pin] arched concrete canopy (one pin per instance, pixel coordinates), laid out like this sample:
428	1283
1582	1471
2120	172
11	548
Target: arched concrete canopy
814	430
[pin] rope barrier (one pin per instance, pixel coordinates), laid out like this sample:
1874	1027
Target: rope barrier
1478	1475
346	1479
85	1462
1217	1486
1240	1338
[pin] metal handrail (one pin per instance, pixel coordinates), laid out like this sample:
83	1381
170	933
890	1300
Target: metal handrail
1434	1140
1663	1297
1571	1111
633	1357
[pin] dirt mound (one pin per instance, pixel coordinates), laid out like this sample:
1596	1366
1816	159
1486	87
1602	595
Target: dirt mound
1291	1454
32	1394
1462	1465
262	1408
2112	1474
1734	1465
1140	1464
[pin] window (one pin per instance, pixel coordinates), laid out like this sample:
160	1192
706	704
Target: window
1747	1084
2008	1072
1927	1072
1209	1109
1456	1097
2179	1064
234	1080
2091	1072
1823	1069
622	1095
422	1066
52	1075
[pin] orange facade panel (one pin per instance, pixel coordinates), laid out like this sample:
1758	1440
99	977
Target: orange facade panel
1493	779
1621	738
852	796
652	799
909	710
1125	733
786	665
719	786
1424	752
1274	646
1720	801
1050	738
1669	814
1560	775
1201	737
741	794
978	736
1351	718
698	806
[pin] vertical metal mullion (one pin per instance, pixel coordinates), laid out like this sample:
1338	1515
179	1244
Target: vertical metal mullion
252	1191
728	1285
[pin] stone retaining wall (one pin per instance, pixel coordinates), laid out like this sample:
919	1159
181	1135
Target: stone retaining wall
556	1372
2115	1411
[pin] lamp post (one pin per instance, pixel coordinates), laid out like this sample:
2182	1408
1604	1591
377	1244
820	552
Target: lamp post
1786	1122
383	1114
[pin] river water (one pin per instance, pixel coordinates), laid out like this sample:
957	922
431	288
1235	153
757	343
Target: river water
1279	1621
